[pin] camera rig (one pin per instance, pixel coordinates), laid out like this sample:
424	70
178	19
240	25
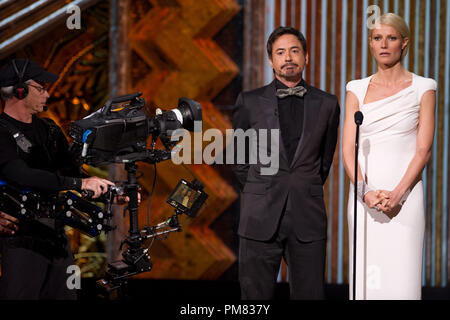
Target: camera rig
70	208
118	133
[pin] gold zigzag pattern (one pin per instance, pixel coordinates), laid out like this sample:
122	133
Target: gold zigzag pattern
174	39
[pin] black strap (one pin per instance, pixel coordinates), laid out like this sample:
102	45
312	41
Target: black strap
21	140
53	128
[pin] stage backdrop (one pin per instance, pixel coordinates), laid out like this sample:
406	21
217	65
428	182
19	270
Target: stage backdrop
337	35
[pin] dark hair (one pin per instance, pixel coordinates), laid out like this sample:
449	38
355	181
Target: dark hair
278	32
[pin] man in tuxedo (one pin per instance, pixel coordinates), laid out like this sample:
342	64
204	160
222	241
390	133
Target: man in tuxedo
283	214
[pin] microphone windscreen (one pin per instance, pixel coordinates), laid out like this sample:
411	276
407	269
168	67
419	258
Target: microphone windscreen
45	108
359	117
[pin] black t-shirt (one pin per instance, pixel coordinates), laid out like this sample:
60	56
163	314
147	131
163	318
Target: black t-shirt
47	167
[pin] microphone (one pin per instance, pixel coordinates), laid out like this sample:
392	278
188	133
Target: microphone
359	117
45	108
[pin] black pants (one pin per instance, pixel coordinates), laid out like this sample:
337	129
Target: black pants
259	263
34	269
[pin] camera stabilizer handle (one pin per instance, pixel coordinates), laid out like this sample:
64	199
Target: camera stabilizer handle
129	97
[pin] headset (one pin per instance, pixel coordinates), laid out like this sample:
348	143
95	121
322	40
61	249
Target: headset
20	89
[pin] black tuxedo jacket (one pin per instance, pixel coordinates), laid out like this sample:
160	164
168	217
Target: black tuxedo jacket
298	184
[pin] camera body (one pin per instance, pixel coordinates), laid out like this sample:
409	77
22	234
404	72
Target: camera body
104	134
121	128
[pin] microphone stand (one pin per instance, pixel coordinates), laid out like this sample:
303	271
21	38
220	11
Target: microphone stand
358	121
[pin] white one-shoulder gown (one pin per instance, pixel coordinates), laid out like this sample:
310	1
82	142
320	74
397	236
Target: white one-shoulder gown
389	247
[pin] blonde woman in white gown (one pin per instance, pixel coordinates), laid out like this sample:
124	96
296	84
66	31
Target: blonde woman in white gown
395	145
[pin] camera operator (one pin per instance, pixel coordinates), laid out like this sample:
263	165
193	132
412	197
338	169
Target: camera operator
36	253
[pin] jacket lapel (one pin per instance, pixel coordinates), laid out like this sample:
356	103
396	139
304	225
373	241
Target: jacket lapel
312	107
269	107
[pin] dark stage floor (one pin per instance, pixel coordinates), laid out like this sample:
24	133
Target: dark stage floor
184	290
174	299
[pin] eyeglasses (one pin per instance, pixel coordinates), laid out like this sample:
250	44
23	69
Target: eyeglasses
41	89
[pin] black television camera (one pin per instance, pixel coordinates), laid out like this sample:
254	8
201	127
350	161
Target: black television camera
118	133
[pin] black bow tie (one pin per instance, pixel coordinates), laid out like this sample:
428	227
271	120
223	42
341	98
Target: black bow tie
298	91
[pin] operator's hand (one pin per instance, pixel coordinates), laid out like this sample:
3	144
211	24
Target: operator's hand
8	224
124	199
97	185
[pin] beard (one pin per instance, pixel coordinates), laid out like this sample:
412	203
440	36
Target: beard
290	75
